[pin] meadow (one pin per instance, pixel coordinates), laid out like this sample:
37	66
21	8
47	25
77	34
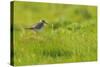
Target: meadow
69	36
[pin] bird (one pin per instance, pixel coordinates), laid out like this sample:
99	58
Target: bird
38	26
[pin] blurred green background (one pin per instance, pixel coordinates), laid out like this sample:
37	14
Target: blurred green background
69	36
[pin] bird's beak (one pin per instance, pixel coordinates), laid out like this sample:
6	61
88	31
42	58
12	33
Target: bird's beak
46	23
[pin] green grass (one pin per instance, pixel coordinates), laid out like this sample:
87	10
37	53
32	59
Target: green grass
69	36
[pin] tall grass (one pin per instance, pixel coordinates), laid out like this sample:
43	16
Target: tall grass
69	36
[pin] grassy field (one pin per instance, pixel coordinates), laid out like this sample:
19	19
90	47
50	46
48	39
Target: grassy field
69	36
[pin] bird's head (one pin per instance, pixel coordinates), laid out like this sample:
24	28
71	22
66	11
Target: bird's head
43	21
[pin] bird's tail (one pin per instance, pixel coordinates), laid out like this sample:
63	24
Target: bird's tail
29	28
